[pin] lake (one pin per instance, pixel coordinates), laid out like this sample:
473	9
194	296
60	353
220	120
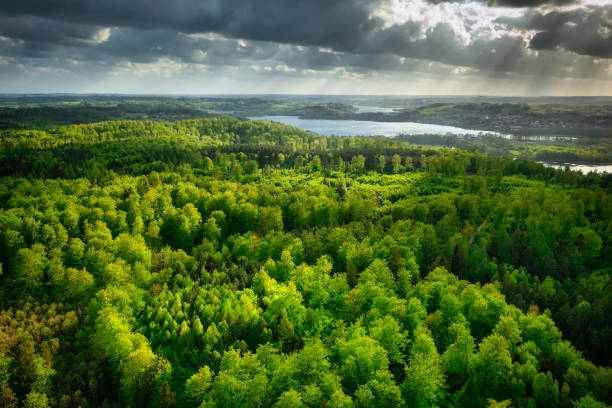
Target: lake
331	127
583	168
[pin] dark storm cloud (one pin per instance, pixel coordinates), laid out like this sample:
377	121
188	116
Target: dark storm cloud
144	31
529	3
315	22
534	20
583	31
513	3
314	58
440	43
49	31
381	51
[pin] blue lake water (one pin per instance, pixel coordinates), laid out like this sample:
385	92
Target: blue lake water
330	127
582	168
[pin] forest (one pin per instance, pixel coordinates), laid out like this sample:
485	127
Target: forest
560	150
558	131
29	111
219	262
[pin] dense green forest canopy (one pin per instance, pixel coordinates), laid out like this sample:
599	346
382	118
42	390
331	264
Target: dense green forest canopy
227	263
554	150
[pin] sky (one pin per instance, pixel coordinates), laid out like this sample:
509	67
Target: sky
408	47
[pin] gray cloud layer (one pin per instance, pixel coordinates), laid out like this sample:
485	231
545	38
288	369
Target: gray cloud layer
514	3
291	36
583	31
313	22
